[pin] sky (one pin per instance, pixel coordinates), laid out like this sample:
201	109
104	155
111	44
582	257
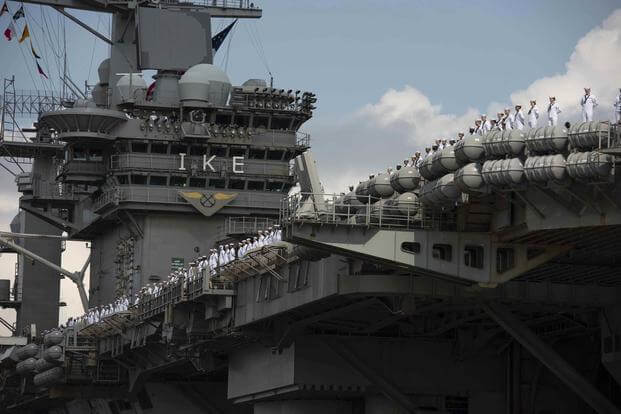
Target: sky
390	76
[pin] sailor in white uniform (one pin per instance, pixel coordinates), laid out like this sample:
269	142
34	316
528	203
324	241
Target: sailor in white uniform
232	252
213	262
617	107
588	103
221	256
486	125
533	114
261	239
507	119
518	119
477	127
553	111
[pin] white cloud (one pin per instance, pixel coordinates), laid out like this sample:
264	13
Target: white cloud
412	110
594	63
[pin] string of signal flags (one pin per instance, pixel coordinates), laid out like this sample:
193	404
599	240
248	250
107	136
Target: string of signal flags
10	32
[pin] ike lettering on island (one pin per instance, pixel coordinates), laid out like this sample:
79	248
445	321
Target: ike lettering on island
238	163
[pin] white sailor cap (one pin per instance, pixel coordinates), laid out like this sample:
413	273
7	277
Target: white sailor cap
507	109
483	115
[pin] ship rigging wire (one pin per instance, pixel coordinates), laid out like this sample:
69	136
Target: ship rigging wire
255	40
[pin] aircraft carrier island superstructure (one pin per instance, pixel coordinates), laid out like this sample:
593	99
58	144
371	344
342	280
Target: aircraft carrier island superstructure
485	281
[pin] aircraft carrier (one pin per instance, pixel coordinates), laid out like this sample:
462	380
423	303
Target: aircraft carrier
485	281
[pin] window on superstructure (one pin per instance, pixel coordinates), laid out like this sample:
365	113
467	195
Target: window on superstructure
275	155
79	154
217	150
474	256
256	185
237	152
198	182
122	179
139	147
95	154
217	183
280	123
177	149
139	179
505	259
274	186
260	122
197	151
157	180
177	181
237	184
410	247
242	120
159	148
122	146
256	154
442	251
222	119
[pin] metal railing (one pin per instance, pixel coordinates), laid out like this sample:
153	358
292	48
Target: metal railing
225	4
180	291
84	167
247	225
302	139
300	208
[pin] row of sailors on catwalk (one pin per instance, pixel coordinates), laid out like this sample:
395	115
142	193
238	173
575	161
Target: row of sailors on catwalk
197	268
228	252
518	119
96	314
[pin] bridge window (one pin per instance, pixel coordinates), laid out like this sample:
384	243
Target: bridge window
237	184
216	183
505	259
95	154
139	179
178	149
157	180
256	185
196	150
159	148
79	154
260	122
139	147
274	186
197	182
410	247
275	155
474	256
122	179
442	251
223	119
176	181
256	154
280	123
237	152
218	151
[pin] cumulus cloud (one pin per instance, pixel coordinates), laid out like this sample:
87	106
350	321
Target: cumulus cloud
405	120
594	63
409	108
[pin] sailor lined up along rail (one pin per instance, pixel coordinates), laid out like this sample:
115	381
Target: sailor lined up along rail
201	267
506	154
